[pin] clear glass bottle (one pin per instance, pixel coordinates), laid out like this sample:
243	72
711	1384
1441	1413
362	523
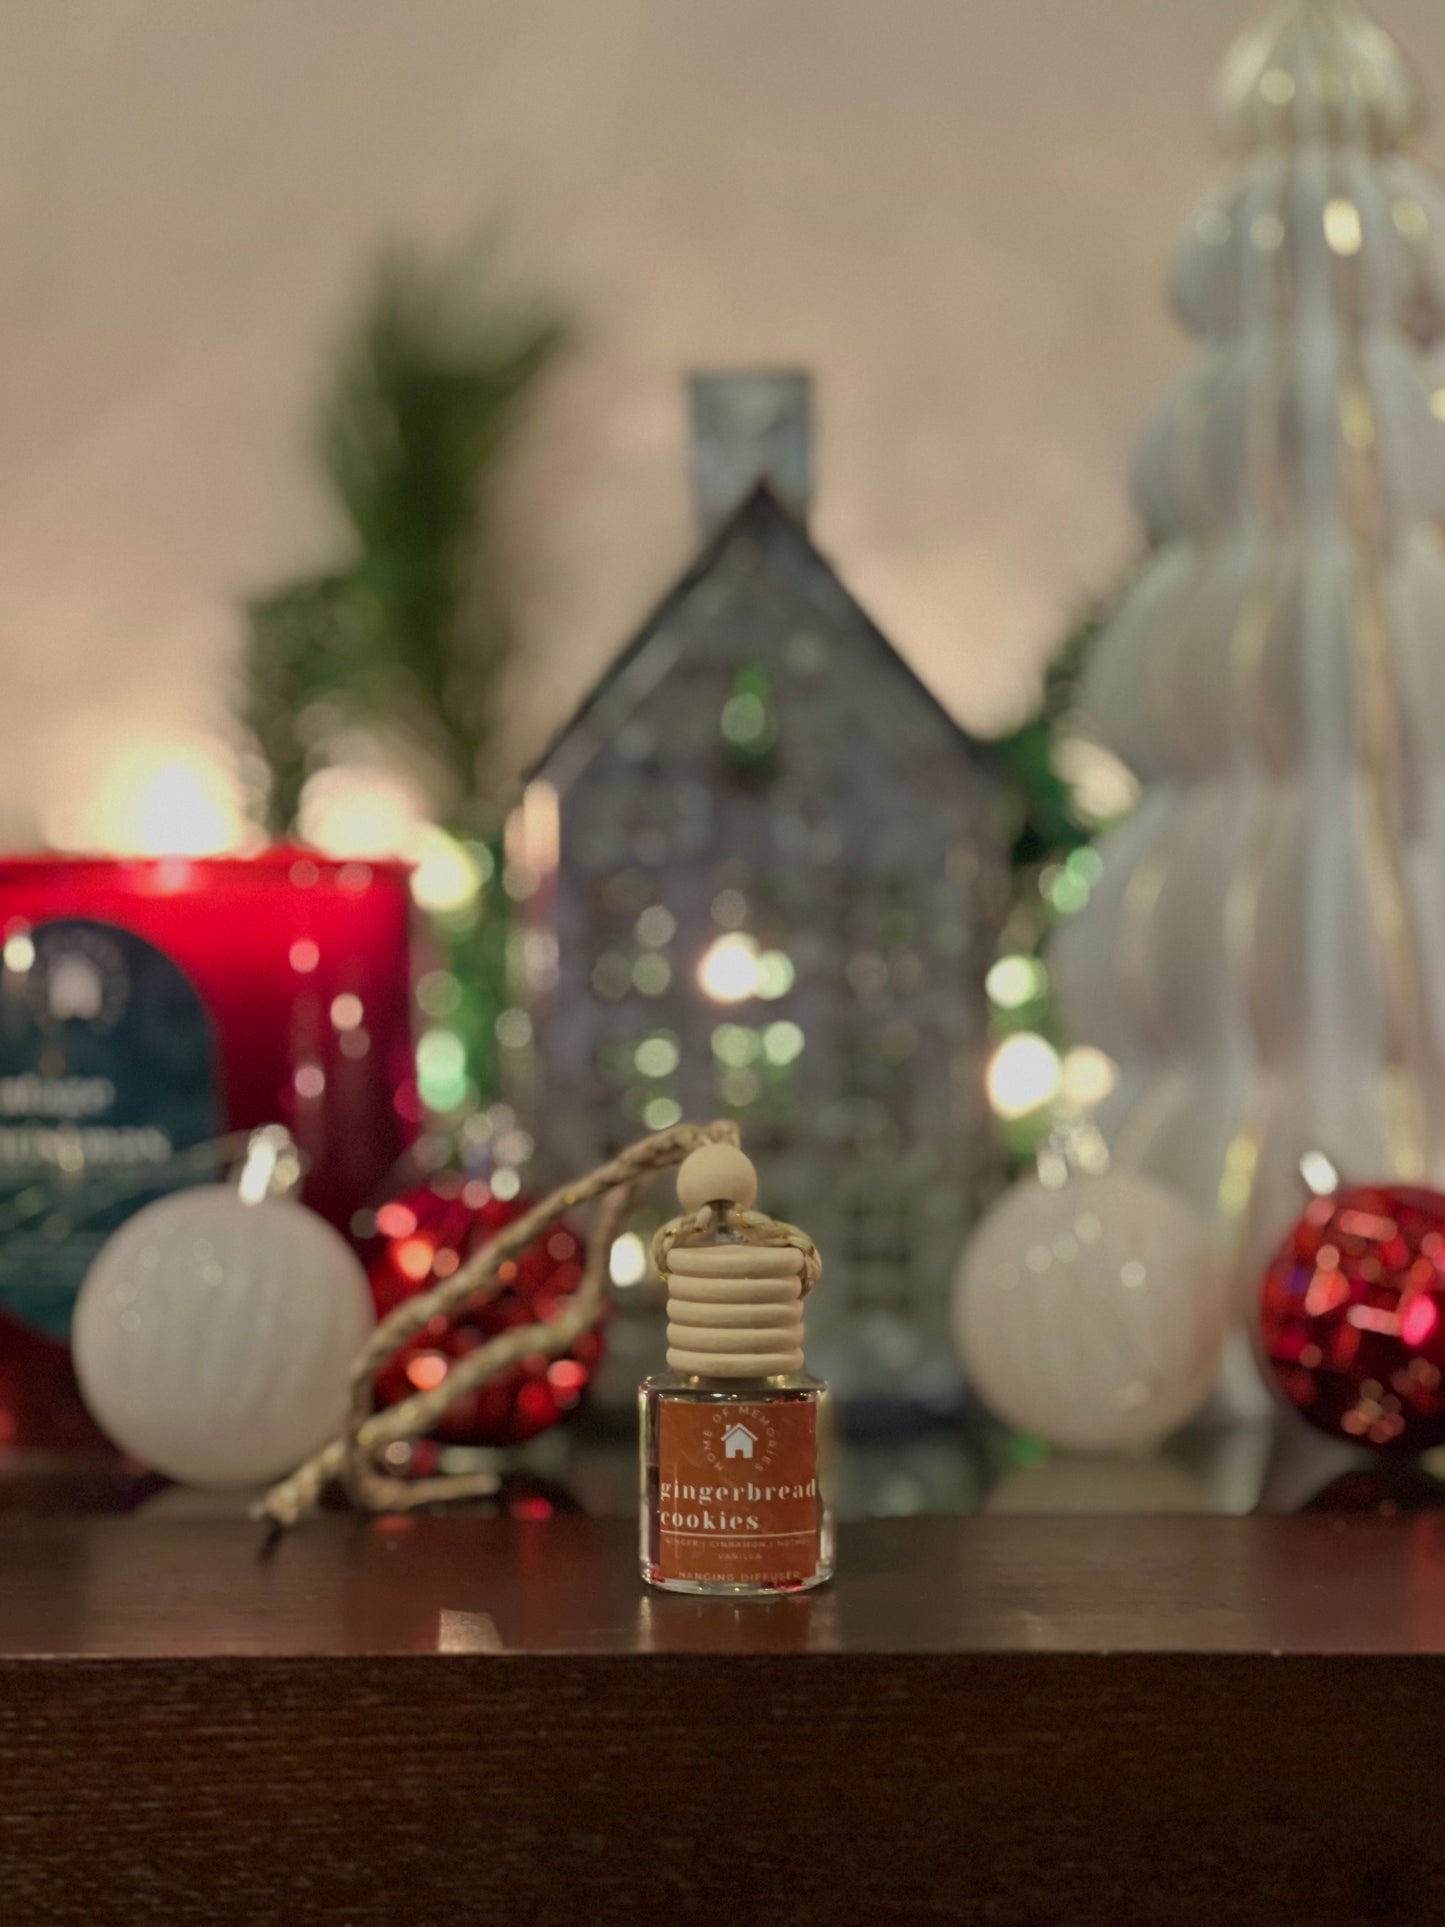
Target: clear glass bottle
732	1502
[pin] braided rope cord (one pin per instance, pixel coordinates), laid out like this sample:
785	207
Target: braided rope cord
352	1457
750	1227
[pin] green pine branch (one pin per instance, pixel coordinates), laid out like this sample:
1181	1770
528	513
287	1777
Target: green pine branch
296	662
411	636
1044	823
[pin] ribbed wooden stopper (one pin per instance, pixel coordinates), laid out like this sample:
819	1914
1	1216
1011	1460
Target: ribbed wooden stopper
735	1310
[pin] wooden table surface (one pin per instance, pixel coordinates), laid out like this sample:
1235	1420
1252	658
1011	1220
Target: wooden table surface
987	1720
342	1588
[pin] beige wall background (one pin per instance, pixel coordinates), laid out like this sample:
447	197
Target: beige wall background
956	212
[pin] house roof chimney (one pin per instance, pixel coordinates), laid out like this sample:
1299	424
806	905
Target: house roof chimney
750	426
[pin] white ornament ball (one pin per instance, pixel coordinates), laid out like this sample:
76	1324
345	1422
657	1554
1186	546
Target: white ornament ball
1092	1315
213	1338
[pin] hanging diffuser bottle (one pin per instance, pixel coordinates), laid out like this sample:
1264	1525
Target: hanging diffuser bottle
731	1501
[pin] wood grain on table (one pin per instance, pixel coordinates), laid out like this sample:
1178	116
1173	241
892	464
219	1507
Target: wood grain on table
453	1720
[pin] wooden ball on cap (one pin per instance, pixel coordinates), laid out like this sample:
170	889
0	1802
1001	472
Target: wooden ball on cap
716	1174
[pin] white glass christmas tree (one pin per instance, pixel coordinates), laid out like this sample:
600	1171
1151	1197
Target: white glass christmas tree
1264	955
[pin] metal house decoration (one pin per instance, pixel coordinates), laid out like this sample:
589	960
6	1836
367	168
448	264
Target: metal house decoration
761	874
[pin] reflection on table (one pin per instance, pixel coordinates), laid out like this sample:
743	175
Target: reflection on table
1278	1469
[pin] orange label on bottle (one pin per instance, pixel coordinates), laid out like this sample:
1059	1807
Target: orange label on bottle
738	1498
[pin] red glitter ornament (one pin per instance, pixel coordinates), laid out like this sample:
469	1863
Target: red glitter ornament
423	1238
1352	1316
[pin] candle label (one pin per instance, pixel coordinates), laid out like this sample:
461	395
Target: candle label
107	1071
738	1492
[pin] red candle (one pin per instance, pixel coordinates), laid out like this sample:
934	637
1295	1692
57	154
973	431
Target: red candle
301	969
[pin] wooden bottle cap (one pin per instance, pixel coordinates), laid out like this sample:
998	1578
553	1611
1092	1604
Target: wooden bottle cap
716	1174
735	1299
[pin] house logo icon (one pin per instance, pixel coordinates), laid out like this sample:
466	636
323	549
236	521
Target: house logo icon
738	1442
76	988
